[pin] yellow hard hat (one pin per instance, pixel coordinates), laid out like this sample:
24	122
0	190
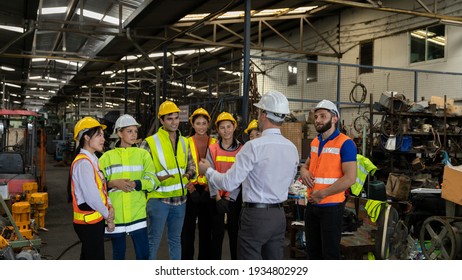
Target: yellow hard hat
225	116
252	125
199	111
167	107
85	124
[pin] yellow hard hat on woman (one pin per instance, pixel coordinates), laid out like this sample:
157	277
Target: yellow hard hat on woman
199	111
84	125
252	125
225	116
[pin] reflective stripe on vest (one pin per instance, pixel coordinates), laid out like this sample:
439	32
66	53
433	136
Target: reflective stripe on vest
327	167
223	160
88	217
162	160
167	163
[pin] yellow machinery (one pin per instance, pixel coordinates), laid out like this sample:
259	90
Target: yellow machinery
21	179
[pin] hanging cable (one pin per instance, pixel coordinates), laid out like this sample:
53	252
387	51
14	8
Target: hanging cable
353	95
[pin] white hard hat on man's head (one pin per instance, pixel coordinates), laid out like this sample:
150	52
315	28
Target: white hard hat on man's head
327	105
275	102
124	121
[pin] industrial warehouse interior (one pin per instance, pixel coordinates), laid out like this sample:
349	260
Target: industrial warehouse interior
391	68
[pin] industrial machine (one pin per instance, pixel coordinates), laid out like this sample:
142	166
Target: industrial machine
23	202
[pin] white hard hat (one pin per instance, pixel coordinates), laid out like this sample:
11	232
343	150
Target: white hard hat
275	102
124	121
327	105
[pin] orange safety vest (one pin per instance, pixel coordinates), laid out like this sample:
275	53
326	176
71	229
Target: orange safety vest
327	167
200	179
223	160
88	217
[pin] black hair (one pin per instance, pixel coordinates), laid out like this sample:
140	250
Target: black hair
192	131
90	132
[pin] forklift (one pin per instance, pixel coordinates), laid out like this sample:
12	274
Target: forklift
22	200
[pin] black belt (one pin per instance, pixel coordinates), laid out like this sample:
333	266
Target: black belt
261	205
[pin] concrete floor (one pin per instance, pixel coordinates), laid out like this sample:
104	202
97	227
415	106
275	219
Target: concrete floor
59	241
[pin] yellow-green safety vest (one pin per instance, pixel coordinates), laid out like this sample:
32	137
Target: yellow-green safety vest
166	163
365	166
131	163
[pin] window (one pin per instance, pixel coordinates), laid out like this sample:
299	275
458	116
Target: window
366	56
428	43
312	69
292	74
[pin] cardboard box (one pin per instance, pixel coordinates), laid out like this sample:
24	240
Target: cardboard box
452	184
454	110
398	186
439	101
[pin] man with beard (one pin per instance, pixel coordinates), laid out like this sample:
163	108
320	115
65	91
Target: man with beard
328	172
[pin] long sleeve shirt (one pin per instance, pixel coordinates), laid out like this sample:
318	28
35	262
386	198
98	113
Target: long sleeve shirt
85	188
265	166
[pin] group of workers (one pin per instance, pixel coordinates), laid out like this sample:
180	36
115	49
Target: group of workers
222	185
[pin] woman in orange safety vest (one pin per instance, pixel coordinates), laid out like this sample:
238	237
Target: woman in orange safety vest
92	207
226	207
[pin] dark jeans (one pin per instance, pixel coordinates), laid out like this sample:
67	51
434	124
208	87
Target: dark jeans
218	226
92	238
197	209
140	243
323	230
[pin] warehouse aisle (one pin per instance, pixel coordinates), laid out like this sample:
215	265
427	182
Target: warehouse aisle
59	240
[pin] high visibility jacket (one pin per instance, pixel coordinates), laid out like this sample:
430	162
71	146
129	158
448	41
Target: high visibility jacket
223	160
199	179
327	167
365	166
88	217
167	163
135	164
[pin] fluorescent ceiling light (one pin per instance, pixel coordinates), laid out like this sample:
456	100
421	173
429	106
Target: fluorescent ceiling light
12	85
7	68
53	10
240	14
98	16
12	28
301	10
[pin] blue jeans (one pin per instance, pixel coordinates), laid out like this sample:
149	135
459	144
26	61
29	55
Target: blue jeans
159	214
140	243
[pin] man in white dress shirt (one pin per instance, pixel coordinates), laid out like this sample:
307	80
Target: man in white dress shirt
265	167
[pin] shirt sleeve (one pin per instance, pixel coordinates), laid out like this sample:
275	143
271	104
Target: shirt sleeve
145	146
232	179
149	179
86	187
191	170
348	151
